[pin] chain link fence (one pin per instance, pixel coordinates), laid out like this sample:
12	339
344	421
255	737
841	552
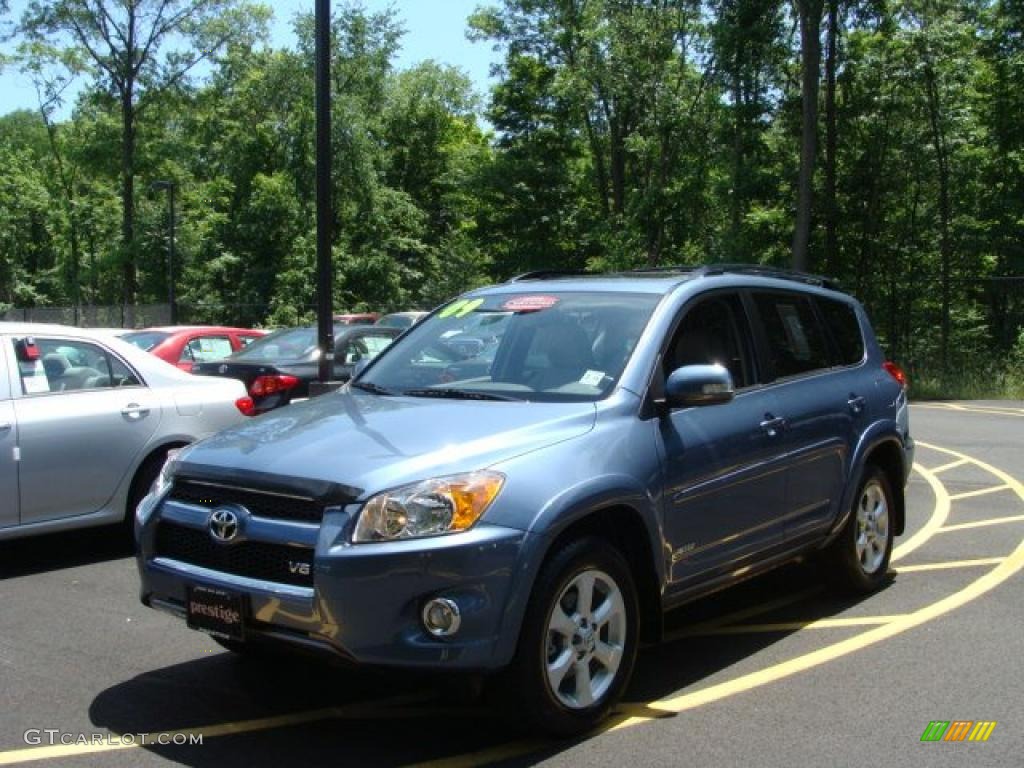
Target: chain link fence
132	316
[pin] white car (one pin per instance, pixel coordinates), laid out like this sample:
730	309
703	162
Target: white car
86	421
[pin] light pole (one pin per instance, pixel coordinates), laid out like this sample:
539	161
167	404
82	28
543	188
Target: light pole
170	186
324	309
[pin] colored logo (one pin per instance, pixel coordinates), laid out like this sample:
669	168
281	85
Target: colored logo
958	730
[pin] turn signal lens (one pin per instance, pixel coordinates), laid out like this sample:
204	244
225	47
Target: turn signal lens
430	508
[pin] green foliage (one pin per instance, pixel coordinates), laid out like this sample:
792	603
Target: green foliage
618	134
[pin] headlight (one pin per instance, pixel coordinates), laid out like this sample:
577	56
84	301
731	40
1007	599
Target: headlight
166	477
429	508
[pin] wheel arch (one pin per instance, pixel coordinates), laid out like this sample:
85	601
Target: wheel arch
883	449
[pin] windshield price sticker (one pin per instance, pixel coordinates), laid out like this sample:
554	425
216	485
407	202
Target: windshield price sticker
529	303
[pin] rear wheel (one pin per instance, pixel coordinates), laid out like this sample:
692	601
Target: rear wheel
579	638
858	560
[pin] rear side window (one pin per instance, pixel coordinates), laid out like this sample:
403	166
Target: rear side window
841	320
796	344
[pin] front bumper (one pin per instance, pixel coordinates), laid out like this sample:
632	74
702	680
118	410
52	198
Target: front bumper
364	601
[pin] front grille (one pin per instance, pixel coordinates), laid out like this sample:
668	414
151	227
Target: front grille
255	559
259	504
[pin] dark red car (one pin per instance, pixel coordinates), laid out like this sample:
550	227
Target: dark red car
357	318
186	345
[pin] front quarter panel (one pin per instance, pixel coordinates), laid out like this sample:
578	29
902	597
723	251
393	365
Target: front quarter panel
614	466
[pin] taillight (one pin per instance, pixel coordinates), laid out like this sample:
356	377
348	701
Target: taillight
270	385
246	405
896	372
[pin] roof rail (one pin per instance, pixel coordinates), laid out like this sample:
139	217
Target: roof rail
777	272
544	274
760	270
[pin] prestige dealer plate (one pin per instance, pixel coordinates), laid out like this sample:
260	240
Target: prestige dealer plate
217	612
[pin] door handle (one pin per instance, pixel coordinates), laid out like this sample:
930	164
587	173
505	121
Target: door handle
856	403
135	411
772	425
5	427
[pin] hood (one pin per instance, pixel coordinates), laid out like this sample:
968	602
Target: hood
349	444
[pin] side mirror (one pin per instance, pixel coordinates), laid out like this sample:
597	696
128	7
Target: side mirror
360	366
694	385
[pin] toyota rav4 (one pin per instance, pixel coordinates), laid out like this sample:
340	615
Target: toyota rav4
528	478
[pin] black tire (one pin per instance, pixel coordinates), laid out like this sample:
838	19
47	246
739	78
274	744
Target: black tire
544	707
144	478
857	565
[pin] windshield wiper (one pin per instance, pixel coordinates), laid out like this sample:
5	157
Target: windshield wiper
458	394
369	386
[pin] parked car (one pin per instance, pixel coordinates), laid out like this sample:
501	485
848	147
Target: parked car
279	367
358	318
184	346
401	320
86	422
638	441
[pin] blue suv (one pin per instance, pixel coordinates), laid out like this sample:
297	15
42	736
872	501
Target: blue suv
530	477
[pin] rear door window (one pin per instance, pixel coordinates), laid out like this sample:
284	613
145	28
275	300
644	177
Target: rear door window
71	365
205	348
796	342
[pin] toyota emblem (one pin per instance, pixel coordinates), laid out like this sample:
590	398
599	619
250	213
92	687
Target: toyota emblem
223	525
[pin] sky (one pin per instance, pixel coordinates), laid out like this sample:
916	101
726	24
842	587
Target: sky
435	29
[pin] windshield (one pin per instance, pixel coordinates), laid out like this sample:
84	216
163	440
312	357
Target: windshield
531	346
285	344
145	340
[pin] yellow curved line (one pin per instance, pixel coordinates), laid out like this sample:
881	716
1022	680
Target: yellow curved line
937	519
1007	568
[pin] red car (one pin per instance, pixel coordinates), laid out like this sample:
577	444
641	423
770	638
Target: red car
186	345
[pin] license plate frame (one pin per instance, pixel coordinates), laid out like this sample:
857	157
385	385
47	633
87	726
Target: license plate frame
217	612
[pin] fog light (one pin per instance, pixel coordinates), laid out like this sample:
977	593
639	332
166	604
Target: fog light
441	617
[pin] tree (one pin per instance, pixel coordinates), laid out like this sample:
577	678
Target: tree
809	13
137	50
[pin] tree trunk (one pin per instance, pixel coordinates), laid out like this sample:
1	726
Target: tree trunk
810	60
128	194
945	212
735	205
831	141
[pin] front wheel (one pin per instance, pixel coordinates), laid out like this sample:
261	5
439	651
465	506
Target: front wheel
858	560
579	638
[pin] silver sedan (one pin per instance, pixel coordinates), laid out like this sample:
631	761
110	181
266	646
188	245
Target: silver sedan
86	421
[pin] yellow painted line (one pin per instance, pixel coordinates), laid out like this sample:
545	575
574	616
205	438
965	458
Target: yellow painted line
950	564
354	711
940	513
982	523
944	467
1004	570
792	626
993	578
981	492
707	627
989	409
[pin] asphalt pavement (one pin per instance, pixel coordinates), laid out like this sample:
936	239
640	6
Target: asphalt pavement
775	672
